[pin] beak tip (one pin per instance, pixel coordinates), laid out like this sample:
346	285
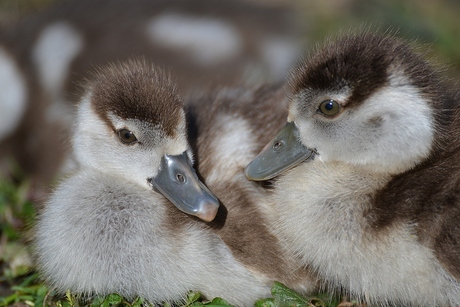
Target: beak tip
208	211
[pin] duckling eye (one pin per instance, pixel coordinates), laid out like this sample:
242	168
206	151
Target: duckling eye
329	107
126	136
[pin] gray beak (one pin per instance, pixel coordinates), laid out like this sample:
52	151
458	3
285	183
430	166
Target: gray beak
282	153
177	181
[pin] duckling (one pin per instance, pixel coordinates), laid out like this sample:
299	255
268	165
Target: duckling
367	166
110	226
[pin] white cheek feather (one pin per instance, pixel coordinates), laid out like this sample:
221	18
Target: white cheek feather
135	162
57	46
13	95
98	147
390	132
406	134
91	137
232	148
209	41
321	208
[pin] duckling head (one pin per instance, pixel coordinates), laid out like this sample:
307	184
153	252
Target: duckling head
365	100
131	124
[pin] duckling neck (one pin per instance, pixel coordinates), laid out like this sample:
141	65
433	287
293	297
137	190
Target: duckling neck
334	194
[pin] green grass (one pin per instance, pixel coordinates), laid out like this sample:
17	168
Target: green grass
16	213
29	294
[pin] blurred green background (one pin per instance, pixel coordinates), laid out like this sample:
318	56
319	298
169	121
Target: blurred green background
435	24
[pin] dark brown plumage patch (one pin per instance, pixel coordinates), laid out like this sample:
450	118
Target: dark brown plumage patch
362	63
427	197
137	90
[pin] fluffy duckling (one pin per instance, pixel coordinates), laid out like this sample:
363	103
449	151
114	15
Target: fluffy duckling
110	226
375	205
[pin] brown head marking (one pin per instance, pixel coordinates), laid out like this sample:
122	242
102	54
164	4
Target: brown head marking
362	63
137	90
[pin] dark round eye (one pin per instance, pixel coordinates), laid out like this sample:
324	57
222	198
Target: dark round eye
180	178
277	145
126	136
329	107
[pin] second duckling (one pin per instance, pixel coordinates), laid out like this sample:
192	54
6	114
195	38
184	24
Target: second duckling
111	226
368	163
